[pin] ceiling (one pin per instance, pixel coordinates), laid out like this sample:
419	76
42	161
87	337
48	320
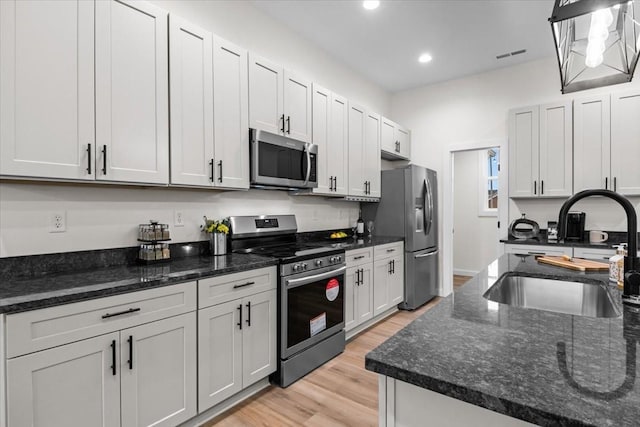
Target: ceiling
463	36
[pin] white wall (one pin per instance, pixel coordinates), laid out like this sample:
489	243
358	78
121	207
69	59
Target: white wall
471	253
107	216
475	108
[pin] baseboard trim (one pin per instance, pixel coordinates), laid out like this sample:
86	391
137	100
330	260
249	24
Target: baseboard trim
366	325
462	272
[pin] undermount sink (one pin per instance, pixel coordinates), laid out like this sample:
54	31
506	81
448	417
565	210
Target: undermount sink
559	296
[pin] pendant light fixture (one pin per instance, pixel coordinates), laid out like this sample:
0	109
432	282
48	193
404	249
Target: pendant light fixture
597	42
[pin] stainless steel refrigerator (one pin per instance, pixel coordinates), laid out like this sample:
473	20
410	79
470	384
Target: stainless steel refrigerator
409	208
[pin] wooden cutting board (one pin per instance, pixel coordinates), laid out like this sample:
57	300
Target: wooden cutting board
573	263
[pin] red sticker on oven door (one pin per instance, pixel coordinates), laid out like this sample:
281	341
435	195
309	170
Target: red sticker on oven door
333	289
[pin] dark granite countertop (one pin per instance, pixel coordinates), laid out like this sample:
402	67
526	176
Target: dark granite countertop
615	238
28	293
542	367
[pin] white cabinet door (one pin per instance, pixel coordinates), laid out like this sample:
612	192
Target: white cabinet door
625	142
596	254
396	281
350	297
259	338
47	87
381	282
76	384
321	132
219	353
371	154
338	145
388	136
592	143
404	142
297	106
357	120
231	114
191	87
132	120
158	372
523	152
556	150
365	294
266	82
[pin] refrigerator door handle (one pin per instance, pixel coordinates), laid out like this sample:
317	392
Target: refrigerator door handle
424	208
426	255
428	185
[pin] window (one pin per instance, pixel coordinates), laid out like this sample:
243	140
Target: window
488	194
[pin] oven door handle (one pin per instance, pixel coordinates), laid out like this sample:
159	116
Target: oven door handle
294	283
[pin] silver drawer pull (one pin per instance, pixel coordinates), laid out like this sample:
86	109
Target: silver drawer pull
243	285
536	253
359	257
120	313
391	250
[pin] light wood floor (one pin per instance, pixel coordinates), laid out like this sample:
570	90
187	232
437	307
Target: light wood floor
339	393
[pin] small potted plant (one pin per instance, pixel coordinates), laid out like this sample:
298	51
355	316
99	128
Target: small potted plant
217	229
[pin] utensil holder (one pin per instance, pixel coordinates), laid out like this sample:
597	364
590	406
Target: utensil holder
218	244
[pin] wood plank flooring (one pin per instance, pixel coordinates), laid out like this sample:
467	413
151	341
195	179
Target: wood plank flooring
339	393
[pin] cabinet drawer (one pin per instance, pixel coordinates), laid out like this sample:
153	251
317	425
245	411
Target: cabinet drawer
219	289
49	327
388	250
538	250
358	256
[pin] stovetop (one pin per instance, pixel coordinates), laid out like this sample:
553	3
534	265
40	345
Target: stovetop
294	251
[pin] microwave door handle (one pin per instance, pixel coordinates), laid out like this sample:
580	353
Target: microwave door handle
307	150
294	283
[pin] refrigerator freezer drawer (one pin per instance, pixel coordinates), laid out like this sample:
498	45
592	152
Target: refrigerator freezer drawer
421	278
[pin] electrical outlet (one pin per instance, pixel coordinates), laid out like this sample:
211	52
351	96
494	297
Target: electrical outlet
58	222
178	219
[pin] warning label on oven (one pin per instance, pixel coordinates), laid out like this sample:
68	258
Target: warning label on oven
332	289
318	324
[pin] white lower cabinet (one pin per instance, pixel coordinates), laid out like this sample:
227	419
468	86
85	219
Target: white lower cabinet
236	338
142	376
388	277
538	250
359	288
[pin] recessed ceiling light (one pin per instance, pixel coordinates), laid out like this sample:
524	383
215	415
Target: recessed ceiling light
370	4
424	58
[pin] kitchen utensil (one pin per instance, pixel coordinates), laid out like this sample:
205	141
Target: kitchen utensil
573	263
524	228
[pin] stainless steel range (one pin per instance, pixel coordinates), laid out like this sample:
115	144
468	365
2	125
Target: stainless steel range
311	278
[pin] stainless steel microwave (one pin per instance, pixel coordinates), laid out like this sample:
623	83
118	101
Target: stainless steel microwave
278	161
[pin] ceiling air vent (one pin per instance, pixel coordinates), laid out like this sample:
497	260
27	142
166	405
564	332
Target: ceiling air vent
514	53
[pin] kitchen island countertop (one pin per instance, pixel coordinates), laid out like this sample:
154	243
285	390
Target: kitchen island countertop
542	367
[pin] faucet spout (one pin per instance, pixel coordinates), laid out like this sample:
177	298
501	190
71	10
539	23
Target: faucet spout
631	293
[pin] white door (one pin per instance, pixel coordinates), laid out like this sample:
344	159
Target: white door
158	372
396	281
357	119
372	154
523	152
350	307
381	282
266	95
76	384
404	142
625	142
338	144
365	294
259	338
191	90
592	143
556	150
320	137
219	353
297	106
388	135
231	114
131	92
46	81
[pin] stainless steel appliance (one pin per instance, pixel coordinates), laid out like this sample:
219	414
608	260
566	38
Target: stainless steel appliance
310	292
575	226
281	162
409	208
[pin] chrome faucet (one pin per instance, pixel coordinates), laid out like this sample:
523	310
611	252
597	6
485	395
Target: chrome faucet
631	292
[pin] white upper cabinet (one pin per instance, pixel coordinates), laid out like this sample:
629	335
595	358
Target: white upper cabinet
131	92
625	142
47	86
297	106
357	120
266	95
231	114
592	143
330	132
395	141
371	154
540	151
191	89
279	100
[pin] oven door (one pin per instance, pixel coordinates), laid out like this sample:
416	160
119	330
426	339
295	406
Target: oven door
282	162
312	308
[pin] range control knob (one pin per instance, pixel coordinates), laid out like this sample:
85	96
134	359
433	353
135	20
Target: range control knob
304	266
319	263
332	259
297	267
339	258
